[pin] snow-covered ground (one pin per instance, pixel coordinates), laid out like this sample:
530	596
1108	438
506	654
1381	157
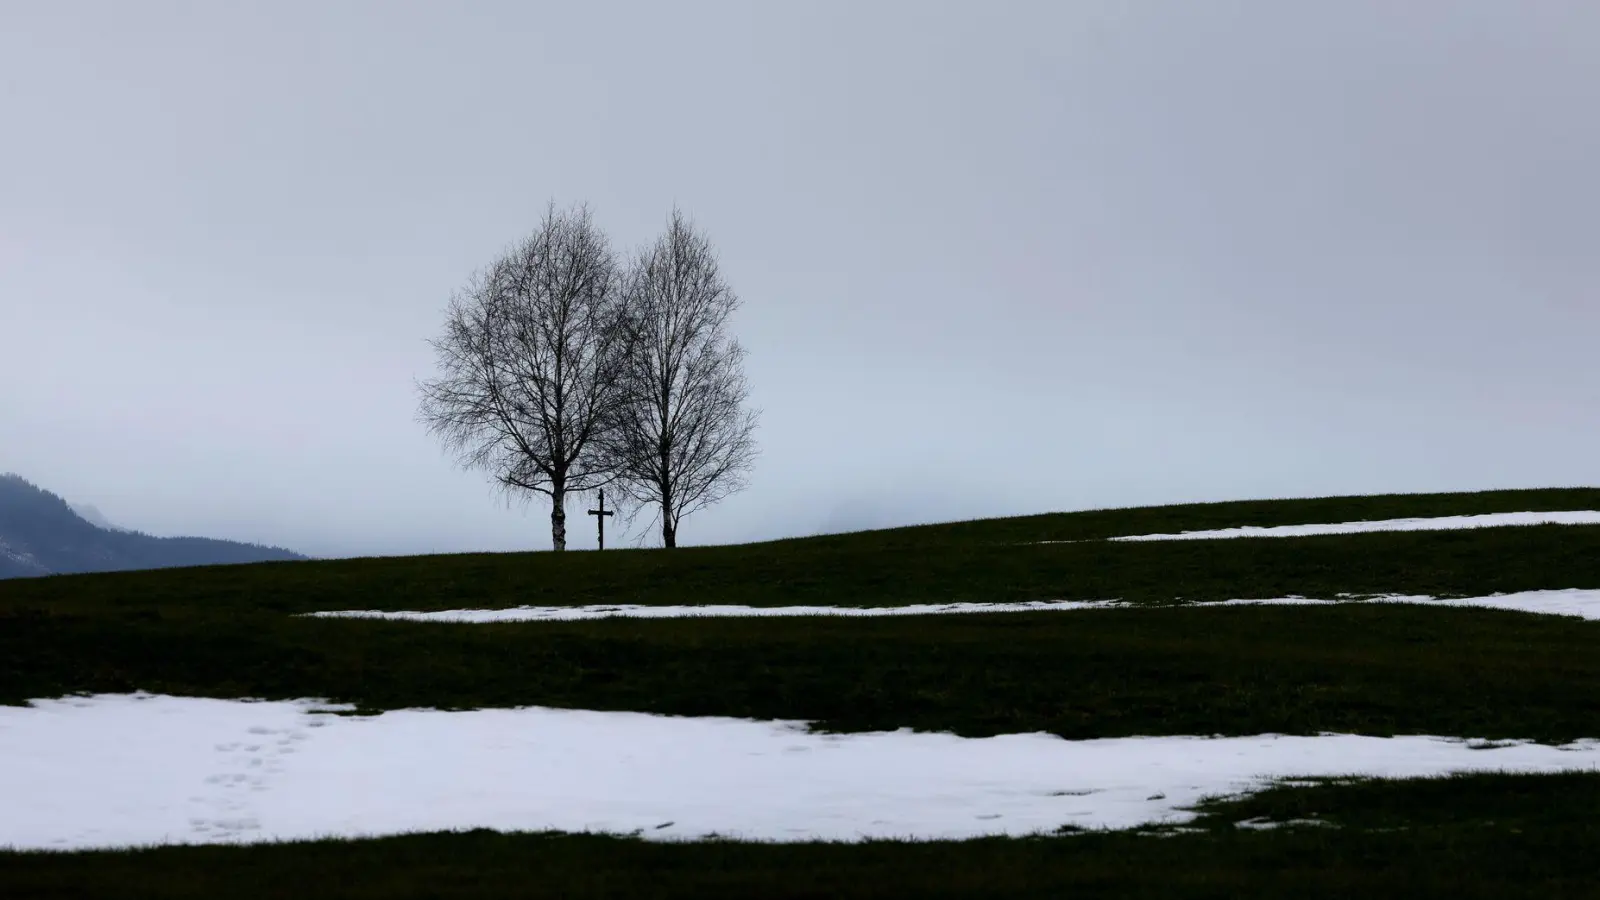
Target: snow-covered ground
1570	602
632	611
1582	603
1442	523
121	770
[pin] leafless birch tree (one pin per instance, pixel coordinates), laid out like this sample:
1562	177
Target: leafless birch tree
527	364
683	439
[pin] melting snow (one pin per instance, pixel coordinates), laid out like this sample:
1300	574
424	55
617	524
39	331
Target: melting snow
122	770
1582	603
1570	602
633	611
1442	523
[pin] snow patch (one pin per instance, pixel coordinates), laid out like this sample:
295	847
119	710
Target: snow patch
1569	602
1441	523
634	611
22	558
1584	604
1269	824
120	770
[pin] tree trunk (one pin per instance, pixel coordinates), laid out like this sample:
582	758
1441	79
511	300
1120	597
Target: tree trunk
669	525
558	520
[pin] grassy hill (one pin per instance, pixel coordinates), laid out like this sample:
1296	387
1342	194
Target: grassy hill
1152	669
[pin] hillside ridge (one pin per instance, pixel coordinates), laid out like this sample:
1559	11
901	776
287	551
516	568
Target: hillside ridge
42	534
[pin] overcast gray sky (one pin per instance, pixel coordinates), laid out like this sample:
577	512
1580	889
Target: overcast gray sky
995	258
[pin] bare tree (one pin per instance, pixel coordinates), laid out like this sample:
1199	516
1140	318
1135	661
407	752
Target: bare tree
683	439
527	365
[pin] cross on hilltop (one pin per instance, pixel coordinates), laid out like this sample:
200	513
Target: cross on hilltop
600	517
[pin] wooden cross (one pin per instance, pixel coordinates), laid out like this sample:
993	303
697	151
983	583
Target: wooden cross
600	517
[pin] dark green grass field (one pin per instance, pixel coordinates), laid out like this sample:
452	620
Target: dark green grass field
1239	670
1153	669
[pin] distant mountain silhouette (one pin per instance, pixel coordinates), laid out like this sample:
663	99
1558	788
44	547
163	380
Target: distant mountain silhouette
41	534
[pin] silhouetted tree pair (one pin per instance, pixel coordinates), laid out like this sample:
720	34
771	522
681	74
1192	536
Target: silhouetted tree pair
564	370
